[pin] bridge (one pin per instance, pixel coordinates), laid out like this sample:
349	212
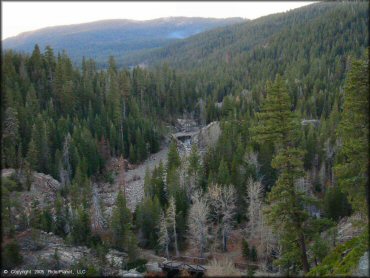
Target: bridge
173	268
182	136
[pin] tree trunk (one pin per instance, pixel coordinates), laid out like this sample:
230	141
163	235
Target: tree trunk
167	253
302	244
224	241
201	248
175	236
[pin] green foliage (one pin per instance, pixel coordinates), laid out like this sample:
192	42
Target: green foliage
320	248
147	219
11	256
139	264
121	221
253	254
173	158
91	269
11	185
46	221
81	227
352	166
344	259
277	124
58	99
245	249
335	204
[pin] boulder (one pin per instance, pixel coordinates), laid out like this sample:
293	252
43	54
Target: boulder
153	267
363	266
116	258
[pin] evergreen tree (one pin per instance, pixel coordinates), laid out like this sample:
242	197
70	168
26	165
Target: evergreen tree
121	223
277	124
173	158
352	166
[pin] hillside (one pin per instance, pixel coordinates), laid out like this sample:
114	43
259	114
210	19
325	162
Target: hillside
240	151
120	37
229	44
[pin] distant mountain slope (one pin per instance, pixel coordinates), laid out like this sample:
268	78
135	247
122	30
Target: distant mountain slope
99	40
225	45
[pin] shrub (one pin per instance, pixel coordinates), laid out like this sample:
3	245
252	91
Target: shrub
11	255
253	254
245	249
139	264
222	268
336	204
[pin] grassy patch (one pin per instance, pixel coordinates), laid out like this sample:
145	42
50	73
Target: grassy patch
343	259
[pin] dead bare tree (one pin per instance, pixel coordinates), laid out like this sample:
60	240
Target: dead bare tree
171	220
163	236
98	222
254	212
258	229
198	222
269	243
65	170
222	200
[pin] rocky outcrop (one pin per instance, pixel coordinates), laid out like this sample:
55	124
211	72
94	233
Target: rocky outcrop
130	273
347	229
363	266
41	195
208	135
116	258
46	250
7	173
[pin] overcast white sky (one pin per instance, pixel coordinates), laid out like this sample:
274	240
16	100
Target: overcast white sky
18	17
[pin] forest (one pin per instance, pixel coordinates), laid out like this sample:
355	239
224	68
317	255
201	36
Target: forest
288	171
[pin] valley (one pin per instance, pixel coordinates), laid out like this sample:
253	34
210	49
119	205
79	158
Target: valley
189	147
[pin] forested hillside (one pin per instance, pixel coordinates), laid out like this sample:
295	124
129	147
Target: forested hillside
279	189
120	38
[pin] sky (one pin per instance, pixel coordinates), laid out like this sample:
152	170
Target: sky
18	17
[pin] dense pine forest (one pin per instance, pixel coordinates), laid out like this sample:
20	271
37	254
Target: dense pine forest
273	193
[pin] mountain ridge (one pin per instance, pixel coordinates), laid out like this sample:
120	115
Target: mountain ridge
119	37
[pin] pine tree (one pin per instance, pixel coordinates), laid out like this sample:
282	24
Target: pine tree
223	173
33	155
10	136
352	166
147	219
173	158
277	124
121	223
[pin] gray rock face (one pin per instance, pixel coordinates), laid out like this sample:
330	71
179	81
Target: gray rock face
116	258
208	135
153	267
130	273
347	230
43	250
363	266
6	173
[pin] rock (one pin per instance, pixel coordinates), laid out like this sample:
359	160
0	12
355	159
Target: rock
6	173
116	258
346	229
363	266
131	273
153	267
208	135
